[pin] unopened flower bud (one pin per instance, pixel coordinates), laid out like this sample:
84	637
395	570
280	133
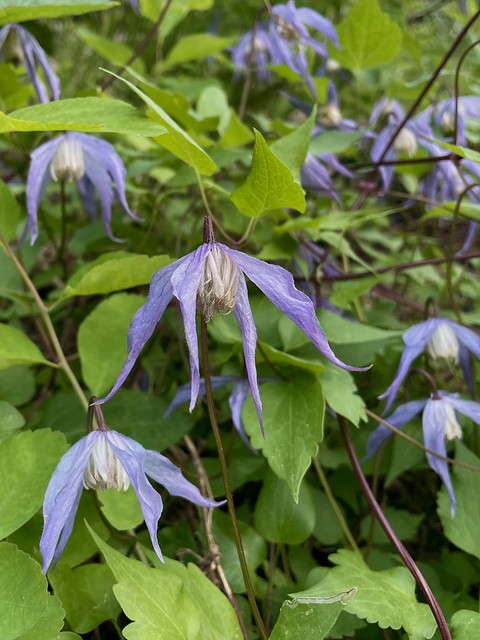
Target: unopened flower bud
452	428
217	292
330	116
286	29
332	65
406	142
444	344
67	163
104	470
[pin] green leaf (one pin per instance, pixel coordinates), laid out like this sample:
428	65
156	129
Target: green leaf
86	593
342	331
278	518
113	272
22	10
121	508
195	47
368	37
16	348
177	11
293	421
10	419
334	141
310	620
49	625
276	356
9	212
340	394
176	140
385	597
91	114
269	186
463	152
27	461
23	592
292	149
103	331
465	625
112	50
17	385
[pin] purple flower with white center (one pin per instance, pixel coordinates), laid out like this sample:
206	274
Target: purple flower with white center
101	460
254	49
439	424
92	162
212	278
443	339
20	47
316	177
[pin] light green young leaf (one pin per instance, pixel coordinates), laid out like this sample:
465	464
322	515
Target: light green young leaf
465	625
113	272
9	212
112	50
121	508
342	331
383	597
27	460
270	185
176	140
91	114
368	37
195	47
177	11
103	331
10	419
49	625
293	420
22	10
16	348
341	395
463	152
292	149
334	141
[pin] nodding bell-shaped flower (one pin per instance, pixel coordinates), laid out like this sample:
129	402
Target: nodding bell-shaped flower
212	279
439	422
20	47
442	338
93	163
101	460
406	142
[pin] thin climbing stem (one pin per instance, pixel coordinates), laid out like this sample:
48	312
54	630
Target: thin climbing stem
228	491
386	526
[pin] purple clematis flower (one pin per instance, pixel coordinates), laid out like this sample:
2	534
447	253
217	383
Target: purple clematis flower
442	338
439	424
316	177
254	49
92	162
20	47
101	460
213	278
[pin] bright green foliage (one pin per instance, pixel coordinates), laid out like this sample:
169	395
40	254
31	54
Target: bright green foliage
121	508
178	10
49	625
27	461
278	518
10	419
385	597
116	52
341	395
368	37
9	213
105	328
465	625
16	348
292	148
289	409
269	186
21	10
92	115
195	47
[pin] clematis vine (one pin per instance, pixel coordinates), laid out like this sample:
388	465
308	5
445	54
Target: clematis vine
101	460
212	279
443	339
439	422
21	48
93	163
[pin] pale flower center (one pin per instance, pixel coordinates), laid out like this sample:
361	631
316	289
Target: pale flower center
405	142
330	116
217	292
286	29
68	163
452	428
444	344
104	470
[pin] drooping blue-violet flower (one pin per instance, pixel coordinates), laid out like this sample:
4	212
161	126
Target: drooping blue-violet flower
443	339
101	460
90	161
212	278
439	424
254	49
20	47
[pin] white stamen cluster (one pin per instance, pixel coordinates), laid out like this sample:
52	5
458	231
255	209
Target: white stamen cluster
217	292
452	428
68	163
104	470
330	116
444	344
406	142
286	29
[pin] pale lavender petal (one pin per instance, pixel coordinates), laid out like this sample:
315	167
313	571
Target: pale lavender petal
134	5
145	320
185	283
319	23
100	178
236	401
167	474
278	285
434	421
87	193
61	497
466	407
34	52
67	529
465	362
4	31
133	457
37	179
185	390
399	418
243	314
466	336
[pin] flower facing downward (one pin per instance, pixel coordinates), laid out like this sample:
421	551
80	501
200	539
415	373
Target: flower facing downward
101	460
439	422
93	163
212	278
